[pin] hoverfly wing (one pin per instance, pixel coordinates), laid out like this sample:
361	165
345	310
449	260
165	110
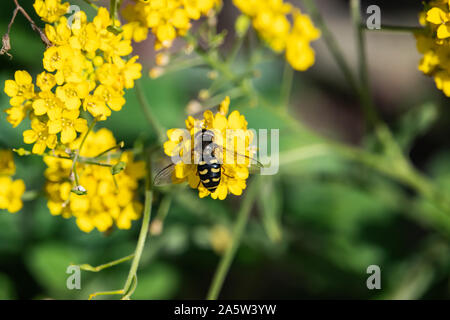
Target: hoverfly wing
164	176
244	159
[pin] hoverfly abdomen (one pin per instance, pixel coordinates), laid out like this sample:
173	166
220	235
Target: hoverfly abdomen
209	169
210	174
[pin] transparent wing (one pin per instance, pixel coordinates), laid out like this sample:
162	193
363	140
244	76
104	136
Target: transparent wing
240	158
164	176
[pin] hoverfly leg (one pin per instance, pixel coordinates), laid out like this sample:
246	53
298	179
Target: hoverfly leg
223	171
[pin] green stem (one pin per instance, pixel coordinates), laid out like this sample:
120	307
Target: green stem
239	227
331	43
105	293
88	267
366	100
214	101
304	152
128	290
158	222
235	49
120	145
89	2
77	153
30	195
286	86
146	109
175	66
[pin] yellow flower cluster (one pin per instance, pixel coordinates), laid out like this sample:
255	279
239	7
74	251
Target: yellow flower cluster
50	10
434	43
166	18
230	134
108	199
270	20
11	191
83	69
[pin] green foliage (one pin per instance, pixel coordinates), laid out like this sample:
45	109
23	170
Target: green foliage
48	263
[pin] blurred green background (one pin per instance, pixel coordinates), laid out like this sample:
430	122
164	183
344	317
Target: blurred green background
317	225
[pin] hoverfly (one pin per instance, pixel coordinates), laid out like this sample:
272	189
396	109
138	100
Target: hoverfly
209	167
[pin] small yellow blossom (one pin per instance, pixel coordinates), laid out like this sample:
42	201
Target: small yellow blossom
18	113
7	166
40	136
20	89
11	191
50	10
433	43
220	238
167	19
49	104
45	81
441	18
270	20
68	124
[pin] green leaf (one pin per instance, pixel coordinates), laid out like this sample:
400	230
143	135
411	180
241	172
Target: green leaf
242	24
48	263
159	281
114	29
7	291
270	206
119	167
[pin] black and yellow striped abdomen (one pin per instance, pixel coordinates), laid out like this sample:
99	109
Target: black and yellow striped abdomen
210	174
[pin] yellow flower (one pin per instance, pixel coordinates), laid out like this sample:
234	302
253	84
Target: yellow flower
135	31
84	36
105	204
18	113
96	107
220	238
49	104
7	166
433	43
112	98
11	192
45	81
72	93
69	124
441	18
270	20
231	134
128	70
60	33
40	136
298	53
20	89
55	57
86	66
50	10
167	19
